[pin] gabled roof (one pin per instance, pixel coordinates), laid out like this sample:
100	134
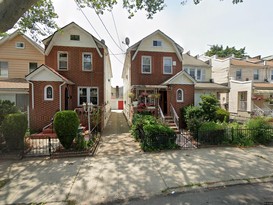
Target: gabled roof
179	50
45	73
239	62
180	78
17	33
49	41
192	61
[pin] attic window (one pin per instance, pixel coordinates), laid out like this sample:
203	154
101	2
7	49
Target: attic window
20	45
75	37
157	43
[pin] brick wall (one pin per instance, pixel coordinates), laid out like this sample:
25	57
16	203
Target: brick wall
75	73
156	77
188	98
43	110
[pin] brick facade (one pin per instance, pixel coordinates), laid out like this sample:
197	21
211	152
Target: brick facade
156	77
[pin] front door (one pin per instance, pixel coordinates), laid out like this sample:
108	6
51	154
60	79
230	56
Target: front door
163	101
66	95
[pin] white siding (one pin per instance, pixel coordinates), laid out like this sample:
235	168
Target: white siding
239	86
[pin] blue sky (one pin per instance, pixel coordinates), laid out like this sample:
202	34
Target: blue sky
194	27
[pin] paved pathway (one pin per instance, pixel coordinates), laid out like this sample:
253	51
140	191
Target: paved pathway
116	137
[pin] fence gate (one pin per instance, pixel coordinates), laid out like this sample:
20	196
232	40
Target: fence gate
185	140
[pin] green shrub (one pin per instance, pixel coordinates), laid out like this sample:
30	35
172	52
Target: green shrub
222	115
212	133
260	130
209	105
14	128
66	124
7	107
194	119
158	137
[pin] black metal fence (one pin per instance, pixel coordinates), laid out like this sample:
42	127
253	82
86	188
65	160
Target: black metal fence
233	136
37	146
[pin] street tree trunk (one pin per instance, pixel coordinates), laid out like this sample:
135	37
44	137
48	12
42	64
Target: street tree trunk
11	11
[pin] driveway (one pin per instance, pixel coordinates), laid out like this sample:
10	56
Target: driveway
116	137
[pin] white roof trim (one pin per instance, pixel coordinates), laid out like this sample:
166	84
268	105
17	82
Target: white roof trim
175	45
181	73
53	36
17	33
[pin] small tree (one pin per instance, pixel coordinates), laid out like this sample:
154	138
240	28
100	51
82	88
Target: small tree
194	118
209	106
66	124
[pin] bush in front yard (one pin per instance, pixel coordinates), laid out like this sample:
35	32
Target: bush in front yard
212	133
194	118
158	137
14	128
222	115
66	124
7	107
261	131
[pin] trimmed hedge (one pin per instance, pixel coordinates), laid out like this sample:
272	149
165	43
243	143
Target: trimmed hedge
66	124
14	128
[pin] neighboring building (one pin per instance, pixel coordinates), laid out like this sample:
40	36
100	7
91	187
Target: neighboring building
154	66
77	70
201	72
250	83
19	55
117	98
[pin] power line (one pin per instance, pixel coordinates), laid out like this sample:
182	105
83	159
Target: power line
87	18
116	28
109	33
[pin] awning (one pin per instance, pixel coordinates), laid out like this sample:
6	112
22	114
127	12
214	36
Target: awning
149	86
263	91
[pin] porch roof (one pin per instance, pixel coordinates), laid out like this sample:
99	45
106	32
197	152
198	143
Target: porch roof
14	85
263	88
211	86
149	86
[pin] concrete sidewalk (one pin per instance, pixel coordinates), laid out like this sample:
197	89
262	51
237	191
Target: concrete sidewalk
120	171
102	179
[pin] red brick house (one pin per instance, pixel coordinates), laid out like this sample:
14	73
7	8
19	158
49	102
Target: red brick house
154	66
77	70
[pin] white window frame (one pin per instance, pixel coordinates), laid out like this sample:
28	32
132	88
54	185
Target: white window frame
86	53
62	52
74	35
46	98
7	75
201	74
17	45
182	95
167	58
142	59
238	70
88	94
159	42
256	72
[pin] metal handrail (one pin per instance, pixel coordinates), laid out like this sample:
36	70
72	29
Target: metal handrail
160	114
174	116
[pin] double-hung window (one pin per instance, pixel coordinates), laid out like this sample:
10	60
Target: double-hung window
238	74
167	65
4	69
88	95
146	64
62	60
256	74
87	61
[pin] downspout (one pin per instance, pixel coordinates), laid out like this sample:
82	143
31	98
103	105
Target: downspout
60	95
32	94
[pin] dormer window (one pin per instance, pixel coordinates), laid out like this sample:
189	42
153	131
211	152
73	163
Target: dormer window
20	45
157	43
74	37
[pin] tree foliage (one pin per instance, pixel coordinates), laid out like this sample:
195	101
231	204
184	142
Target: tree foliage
228	51
31	13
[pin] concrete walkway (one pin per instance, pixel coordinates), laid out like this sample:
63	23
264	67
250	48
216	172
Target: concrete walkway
116	137
112	176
